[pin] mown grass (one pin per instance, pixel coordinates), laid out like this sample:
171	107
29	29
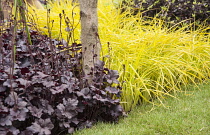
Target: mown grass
189	114
152	59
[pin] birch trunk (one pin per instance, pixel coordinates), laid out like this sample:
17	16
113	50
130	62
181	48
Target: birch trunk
1	11
89	36
6	7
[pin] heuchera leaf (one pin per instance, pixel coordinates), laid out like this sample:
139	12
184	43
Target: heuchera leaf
48	93
42	75
59	89
36	112
100	98
12	98
25	62
3	131
116	111
86	124
19	114
47	108
70	103
70	130
23	82
2	88
66	111
14	130
65	124
48	84
42	127
7	121
84	93
99	64
8	83
68	108
3	108
112	76
112	90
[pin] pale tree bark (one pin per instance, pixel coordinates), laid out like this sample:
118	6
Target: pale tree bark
89	36
1	11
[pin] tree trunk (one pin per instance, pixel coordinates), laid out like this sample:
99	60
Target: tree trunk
6	9
1	11
89	36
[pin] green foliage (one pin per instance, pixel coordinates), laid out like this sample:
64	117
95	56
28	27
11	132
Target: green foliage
173	10
187	115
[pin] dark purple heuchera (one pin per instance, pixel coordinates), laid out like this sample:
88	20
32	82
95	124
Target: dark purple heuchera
43	90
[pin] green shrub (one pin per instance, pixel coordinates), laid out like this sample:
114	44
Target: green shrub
173	10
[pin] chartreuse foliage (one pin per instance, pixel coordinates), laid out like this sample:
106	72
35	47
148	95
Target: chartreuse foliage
57	21
153	60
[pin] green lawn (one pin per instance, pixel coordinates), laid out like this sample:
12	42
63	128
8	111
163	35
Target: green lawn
188	115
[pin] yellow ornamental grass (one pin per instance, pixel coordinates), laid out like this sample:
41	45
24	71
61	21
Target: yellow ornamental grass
60	20
153	60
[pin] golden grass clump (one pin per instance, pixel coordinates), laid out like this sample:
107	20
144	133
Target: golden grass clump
60	20
158	60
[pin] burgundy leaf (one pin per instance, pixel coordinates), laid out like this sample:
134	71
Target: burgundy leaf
36	112
100	98
7	121
12	98
23	82
2	88
65	124
9	71
3	130
26	132
112	90
9	82
19	114
70	103
24	71
42	127
112	76
70	130
14	130
48	84
48	93
67	112
42	75
47	108
21	104
25	62
99	64
84	93
68	108
3	108
59	89
116	111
